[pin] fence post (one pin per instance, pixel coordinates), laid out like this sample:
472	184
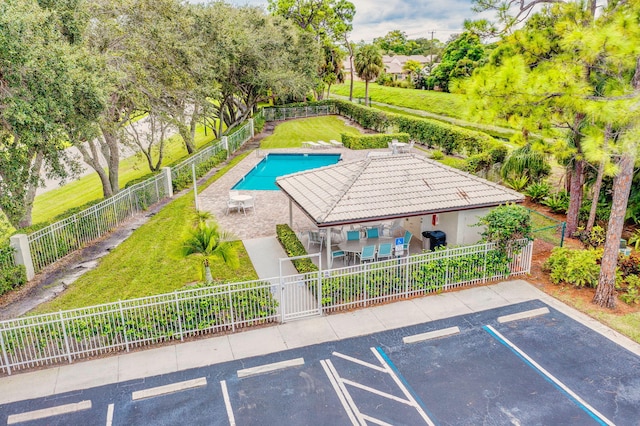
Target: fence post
66	339
484	271
124	326
407	268
233	321
179	314
225	144
22	254
319	291
168	183
252	129
4	353
564	227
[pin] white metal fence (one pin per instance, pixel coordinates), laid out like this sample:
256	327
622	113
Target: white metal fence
55	241
50	244
68	335
276	113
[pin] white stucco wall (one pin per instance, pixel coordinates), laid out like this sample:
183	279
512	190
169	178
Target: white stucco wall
457	226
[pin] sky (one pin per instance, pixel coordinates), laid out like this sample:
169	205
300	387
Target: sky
417	18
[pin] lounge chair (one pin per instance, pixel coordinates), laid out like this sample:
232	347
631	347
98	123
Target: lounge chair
335	143
368	254
324	144
384	251
311	145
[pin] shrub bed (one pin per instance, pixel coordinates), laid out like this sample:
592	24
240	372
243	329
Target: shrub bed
372	141
293	247
11	277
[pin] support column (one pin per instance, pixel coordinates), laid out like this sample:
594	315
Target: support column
328	247
22	255
168	183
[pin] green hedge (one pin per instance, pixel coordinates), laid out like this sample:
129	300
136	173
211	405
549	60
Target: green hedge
11	277
372	141
292	245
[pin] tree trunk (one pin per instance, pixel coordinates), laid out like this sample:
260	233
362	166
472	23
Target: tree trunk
110	151
185	132
93	161
606	291
30	193
350	49
575	200
598	183
366	93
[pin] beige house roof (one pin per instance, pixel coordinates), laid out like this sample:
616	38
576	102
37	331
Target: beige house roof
389	187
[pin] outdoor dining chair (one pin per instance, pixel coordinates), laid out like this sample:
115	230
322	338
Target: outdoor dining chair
373	233
248	204
368	254
384	251
338	254
353	235
315	237
231	205
407	240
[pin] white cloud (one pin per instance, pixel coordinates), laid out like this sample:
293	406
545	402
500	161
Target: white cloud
417	18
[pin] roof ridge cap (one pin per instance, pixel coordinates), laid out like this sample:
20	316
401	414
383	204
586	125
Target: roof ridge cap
346	186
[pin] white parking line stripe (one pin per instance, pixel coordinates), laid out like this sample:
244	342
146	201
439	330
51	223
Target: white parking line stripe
167	389
341	397
267	368
110	415
445	332
376	421
49	412
403	388
595	414
376	391
346	393
523	315
227	403
358	361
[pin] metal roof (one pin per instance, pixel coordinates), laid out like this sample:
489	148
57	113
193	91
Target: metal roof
381	188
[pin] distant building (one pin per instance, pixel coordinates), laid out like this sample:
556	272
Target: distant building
393	65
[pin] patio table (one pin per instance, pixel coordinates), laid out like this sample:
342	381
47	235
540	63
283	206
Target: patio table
353	247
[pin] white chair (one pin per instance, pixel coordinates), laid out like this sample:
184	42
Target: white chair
248	204
315	237
407	148
335	143
324	144
231	204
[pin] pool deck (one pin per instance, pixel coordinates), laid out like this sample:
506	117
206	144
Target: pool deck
271	207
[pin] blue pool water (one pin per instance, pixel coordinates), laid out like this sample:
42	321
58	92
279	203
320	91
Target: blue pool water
263	175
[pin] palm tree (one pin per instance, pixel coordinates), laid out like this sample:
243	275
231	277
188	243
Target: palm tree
368	65
209	241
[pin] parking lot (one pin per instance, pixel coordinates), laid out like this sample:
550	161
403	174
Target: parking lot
520	364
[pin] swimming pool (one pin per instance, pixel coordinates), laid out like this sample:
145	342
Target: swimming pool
263	175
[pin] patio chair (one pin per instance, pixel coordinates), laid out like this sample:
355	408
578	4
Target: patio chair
391	229
407	240
231	204
407	148
315	237
384	251
324	144
335	143
249	204
338	254
373	233
368	254
353	235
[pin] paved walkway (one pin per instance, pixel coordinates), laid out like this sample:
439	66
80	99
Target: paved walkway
296	334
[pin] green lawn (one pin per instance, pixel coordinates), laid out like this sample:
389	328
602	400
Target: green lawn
291	134
449	104
88	188
151	261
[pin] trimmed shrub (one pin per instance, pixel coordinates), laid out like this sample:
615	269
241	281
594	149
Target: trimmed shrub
293	247
372	141
575	267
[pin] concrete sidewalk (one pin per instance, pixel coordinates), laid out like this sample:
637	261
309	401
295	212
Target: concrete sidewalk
218	349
